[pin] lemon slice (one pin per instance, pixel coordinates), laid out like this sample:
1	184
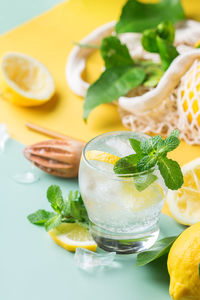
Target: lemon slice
184	204
71	236
102	156
24	81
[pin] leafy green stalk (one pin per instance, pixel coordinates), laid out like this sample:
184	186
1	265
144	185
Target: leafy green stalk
70	210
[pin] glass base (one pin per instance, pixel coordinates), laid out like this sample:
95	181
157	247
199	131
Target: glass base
123	243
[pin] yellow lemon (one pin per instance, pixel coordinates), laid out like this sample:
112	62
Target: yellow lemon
139	200
184	204
183	265
24	81
189	95
102	156
71	236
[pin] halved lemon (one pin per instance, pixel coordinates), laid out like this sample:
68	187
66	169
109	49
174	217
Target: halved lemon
71	236
184	204
102	156
24	81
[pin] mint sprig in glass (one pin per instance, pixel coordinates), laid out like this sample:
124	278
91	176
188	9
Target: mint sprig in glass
149	154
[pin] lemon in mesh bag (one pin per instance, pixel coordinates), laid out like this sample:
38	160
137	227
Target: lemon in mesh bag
189	95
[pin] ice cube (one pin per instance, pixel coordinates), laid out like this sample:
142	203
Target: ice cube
4	136
88	260
120	146
28	176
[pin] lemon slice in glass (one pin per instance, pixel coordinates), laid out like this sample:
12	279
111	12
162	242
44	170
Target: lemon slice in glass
184	204
24	81
71	236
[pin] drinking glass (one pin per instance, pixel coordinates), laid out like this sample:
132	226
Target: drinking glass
123	218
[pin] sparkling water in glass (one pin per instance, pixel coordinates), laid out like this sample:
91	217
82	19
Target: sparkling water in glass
122	218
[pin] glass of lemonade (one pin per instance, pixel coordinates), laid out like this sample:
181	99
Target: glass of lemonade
122	218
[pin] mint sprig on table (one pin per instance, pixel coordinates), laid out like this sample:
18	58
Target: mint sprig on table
148	154
122	73
69	210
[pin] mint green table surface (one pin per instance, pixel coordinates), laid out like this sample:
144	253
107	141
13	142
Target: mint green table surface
32	266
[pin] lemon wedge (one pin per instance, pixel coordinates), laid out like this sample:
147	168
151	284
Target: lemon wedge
24	81
71	236
102	156
184	204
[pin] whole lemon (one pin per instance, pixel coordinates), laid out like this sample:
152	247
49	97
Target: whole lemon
183	265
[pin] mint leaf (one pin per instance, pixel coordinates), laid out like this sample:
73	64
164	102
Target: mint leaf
77	208
40	217
143	181
159	249
167	52
147	162
113	83
54	196
136	145
171	173
151	144
171	143
127	165
114	53
137	16
53	222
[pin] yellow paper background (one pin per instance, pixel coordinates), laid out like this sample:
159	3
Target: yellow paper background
49	39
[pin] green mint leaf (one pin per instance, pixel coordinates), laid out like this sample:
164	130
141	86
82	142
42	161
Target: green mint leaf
147	162
113	83
166	31
136	145
40	217
143	181
77	208
175	133
53	222
127	165
171	173
114	53
54	196
159	249
168	145
137	16
149	40
167	52
151	144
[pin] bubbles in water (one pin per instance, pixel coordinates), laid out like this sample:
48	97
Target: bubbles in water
88	260
4	136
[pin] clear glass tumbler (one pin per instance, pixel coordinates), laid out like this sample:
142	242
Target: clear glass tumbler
122	218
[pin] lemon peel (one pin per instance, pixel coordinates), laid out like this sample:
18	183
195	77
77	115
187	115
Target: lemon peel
183	265
71	236
101	156
184	203
24	81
